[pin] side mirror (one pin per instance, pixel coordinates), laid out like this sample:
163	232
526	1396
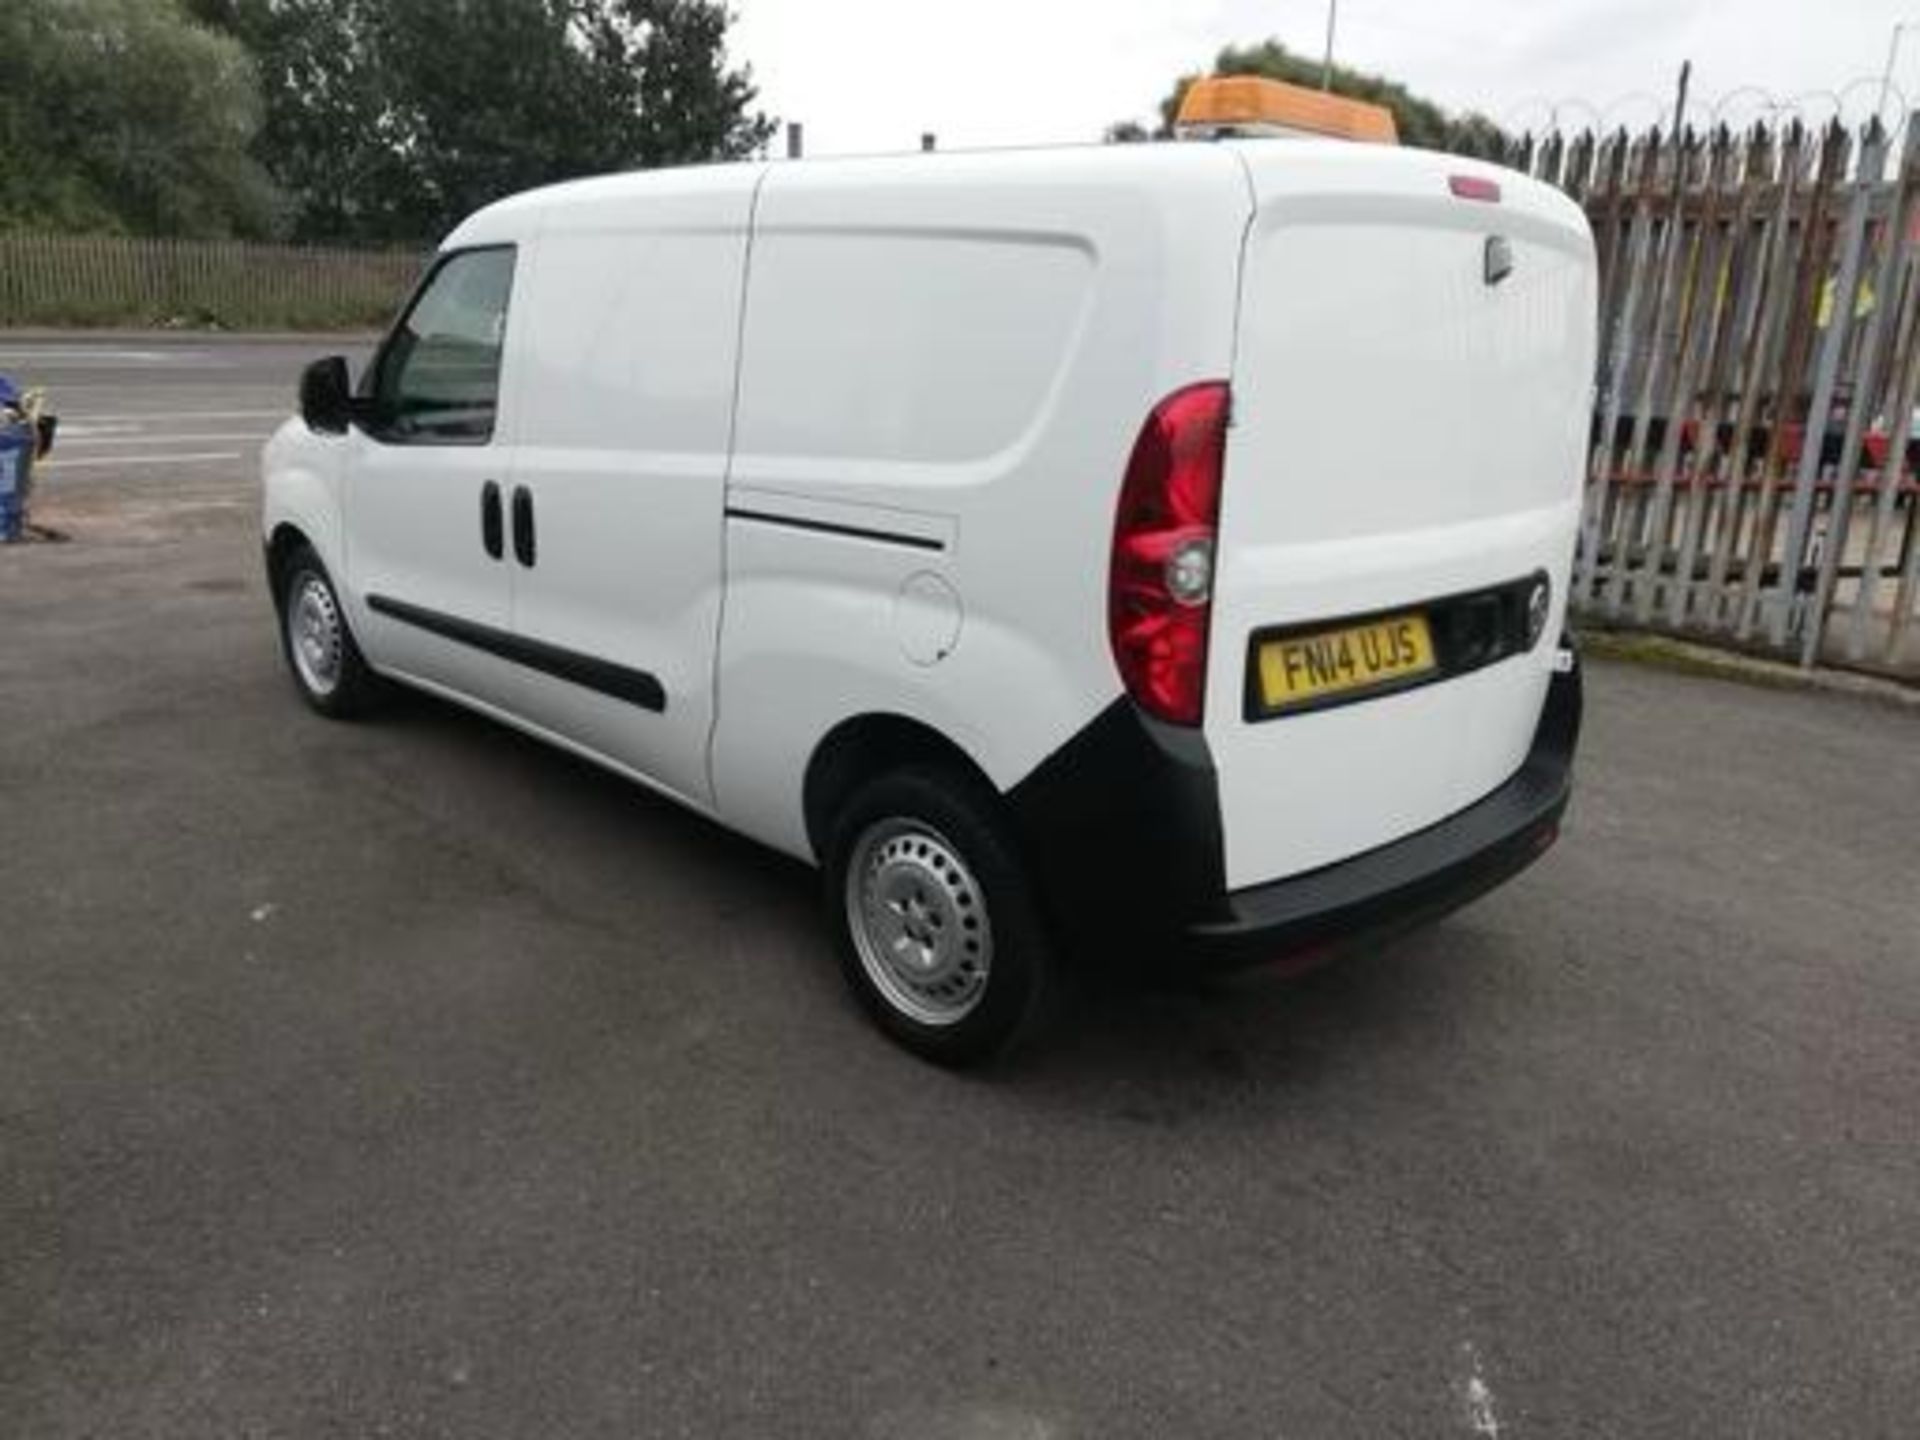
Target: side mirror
326	396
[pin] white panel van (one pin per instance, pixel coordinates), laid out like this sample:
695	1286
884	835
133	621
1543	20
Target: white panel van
1133	549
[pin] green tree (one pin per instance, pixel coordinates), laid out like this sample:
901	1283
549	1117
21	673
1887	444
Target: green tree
1419	121
390	119
122	115
327	137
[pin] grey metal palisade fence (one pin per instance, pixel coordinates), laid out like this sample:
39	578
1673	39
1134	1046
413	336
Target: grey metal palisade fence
1752	472
120	280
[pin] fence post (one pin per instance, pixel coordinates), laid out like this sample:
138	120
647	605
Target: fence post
1810	266
1605	489
1865	382
1619	279
1733	284
1832	346
1772	305
1631	504
1699	302
1731	278
1904	385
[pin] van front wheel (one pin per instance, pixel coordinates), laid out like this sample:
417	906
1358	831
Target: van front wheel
320	650
939	936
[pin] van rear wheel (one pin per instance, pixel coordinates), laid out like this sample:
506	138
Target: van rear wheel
939	937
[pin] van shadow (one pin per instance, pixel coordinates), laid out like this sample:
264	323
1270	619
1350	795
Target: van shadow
598	807
1173	1042
1184	1043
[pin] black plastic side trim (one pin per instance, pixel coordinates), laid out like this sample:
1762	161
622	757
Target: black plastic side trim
636	687
1122	826
1417	878
827	527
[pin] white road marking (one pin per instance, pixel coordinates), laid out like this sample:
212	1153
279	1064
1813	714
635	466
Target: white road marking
52	355
137	460
66	439
168	416
70	431
1480	1413
163	390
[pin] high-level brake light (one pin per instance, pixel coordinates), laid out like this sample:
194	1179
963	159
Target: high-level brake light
1474	187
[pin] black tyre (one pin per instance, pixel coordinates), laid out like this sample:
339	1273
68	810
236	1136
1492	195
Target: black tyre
326	664
939	935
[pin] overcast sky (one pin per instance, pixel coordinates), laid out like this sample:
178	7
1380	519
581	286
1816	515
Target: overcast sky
868	75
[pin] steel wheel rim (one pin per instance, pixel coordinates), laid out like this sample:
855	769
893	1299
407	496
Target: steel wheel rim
315	637
919	921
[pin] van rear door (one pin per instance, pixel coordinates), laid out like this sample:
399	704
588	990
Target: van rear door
1410	399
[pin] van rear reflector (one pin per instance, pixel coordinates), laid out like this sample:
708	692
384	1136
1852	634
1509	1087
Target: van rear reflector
1474	187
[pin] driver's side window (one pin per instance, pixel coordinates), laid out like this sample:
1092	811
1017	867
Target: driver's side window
437	379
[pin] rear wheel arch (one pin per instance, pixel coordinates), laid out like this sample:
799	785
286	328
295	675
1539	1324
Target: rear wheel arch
865	746
940	935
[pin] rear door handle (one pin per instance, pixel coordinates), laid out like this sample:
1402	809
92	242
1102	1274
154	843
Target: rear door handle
523	542
491	529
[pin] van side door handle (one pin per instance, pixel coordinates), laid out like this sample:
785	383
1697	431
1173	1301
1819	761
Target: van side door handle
523	544
491	529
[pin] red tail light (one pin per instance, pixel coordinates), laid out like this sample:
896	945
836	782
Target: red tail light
1160	582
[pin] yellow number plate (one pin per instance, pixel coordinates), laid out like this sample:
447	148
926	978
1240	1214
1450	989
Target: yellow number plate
1303	668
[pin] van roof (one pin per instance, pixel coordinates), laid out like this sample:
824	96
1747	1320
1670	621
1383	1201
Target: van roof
519	216
1314	165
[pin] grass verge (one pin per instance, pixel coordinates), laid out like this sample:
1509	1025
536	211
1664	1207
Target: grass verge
1687	658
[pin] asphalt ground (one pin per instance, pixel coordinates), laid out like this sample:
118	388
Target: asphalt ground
159	432
408	1078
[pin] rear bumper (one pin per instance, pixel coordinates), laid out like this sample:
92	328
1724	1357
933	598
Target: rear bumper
1122	828
1303	918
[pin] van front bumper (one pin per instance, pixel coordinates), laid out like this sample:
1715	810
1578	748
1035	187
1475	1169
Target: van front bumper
1304	919
1123	829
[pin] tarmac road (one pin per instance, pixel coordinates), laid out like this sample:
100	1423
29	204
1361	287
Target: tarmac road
407	1078
180	417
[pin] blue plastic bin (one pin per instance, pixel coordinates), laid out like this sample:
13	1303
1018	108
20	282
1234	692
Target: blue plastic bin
17	446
